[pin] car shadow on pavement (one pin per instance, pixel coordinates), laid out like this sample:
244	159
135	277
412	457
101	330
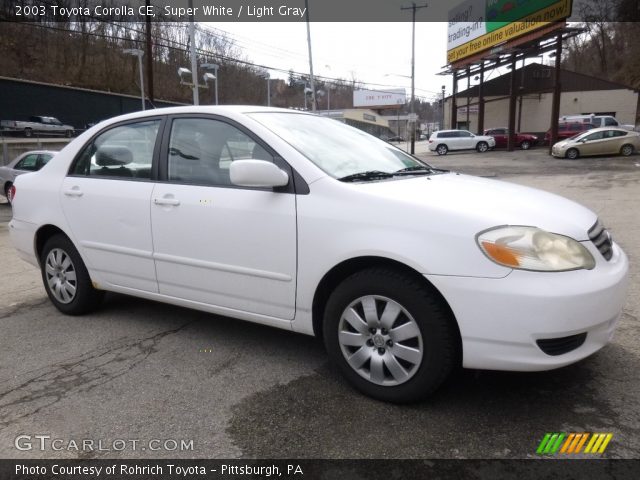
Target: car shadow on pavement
475	414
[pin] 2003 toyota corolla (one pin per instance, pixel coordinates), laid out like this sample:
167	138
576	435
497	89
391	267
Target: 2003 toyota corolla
300	222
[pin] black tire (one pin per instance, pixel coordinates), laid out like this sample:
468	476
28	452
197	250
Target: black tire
525	145
28	132
626	150
438	335
442	149
572	154
482	147
7	187
85	298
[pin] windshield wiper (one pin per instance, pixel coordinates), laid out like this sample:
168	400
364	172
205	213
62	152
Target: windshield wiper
418	169
363	176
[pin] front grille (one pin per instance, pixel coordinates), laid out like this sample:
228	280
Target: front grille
558	346
601	238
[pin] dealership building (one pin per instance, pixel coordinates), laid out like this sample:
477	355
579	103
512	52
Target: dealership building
580	94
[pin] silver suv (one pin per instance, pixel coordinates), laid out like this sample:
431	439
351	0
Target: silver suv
444	140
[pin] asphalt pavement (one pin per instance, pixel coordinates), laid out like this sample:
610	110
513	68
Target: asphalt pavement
138	370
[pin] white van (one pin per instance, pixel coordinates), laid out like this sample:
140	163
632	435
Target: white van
596	120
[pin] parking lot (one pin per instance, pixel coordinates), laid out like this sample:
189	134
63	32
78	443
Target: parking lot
138	370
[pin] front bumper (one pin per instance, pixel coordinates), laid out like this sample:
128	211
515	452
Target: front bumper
500	320
558	152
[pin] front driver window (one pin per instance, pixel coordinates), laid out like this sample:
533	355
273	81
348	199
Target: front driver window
201	151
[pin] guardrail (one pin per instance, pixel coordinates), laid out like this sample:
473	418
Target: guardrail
11	147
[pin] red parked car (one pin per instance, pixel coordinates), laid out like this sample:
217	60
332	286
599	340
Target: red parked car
566	130
523	140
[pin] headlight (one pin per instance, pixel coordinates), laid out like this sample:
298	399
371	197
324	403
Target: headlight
530	248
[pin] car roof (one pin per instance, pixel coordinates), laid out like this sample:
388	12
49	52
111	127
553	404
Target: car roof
37	152
200	109
604	129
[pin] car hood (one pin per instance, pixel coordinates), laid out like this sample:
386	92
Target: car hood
474	204
562	144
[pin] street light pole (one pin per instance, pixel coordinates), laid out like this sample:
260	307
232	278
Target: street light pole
442	112
311	81
138	53
413	7
268	77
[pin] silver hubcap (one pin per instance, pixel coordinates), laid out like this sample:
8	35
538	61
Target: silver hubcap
626	151
482	147
442	150
380	340
61	275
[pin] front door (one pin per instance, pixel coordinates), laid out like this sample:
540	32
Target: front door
216	243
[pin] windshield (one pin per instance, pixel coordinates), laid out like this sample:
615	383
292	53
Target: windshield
338	149
577	136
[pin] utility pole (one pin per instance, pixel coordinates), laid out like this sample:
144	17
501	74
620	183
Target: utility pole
311	81
194	61
413	7
149	53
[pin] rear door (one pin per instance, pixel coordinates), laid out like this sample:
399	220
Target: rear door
105	199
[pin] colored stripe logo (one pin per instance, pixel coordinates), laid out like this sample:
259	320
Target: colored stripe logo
571	443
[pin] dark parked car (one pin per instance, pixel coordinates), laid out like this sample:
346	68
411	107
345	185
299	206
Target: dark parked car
566	130
523	140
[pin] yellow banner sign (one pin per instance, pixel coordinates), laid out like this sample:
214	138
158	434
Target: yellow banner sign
542	18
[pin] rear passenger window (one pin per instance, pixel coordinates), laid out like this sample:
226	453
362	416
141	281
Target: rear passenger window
123	152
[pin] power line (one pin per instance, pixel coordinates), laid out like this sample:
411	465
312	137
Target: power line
183	47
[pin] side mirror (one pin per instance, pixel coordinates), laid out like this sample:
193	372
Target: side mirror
257	173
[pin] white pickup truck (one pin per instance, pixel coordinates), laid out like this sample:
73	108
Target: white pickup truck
596	121
38	125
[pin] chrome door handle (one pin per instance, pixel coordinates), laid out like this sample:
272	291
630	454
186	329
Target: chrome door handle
73	192
166	201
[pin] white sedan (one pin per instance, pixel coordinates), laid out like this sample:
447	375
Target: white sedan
31	161
301	222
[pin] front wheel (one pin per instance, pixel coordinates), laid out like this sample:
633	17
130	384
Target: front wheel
525	145
389	335
626	150
482	147
572	154
66	278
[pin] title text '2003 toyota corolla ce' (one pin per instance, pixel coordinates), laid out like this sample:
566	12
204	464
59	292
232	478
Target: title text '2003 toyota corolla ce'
301	222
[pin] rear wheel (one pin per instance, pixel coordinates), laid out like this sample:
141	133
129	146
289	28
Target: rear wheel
66	278
525	145
572	154
482	147
442	149
389	335
626	150
28	132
